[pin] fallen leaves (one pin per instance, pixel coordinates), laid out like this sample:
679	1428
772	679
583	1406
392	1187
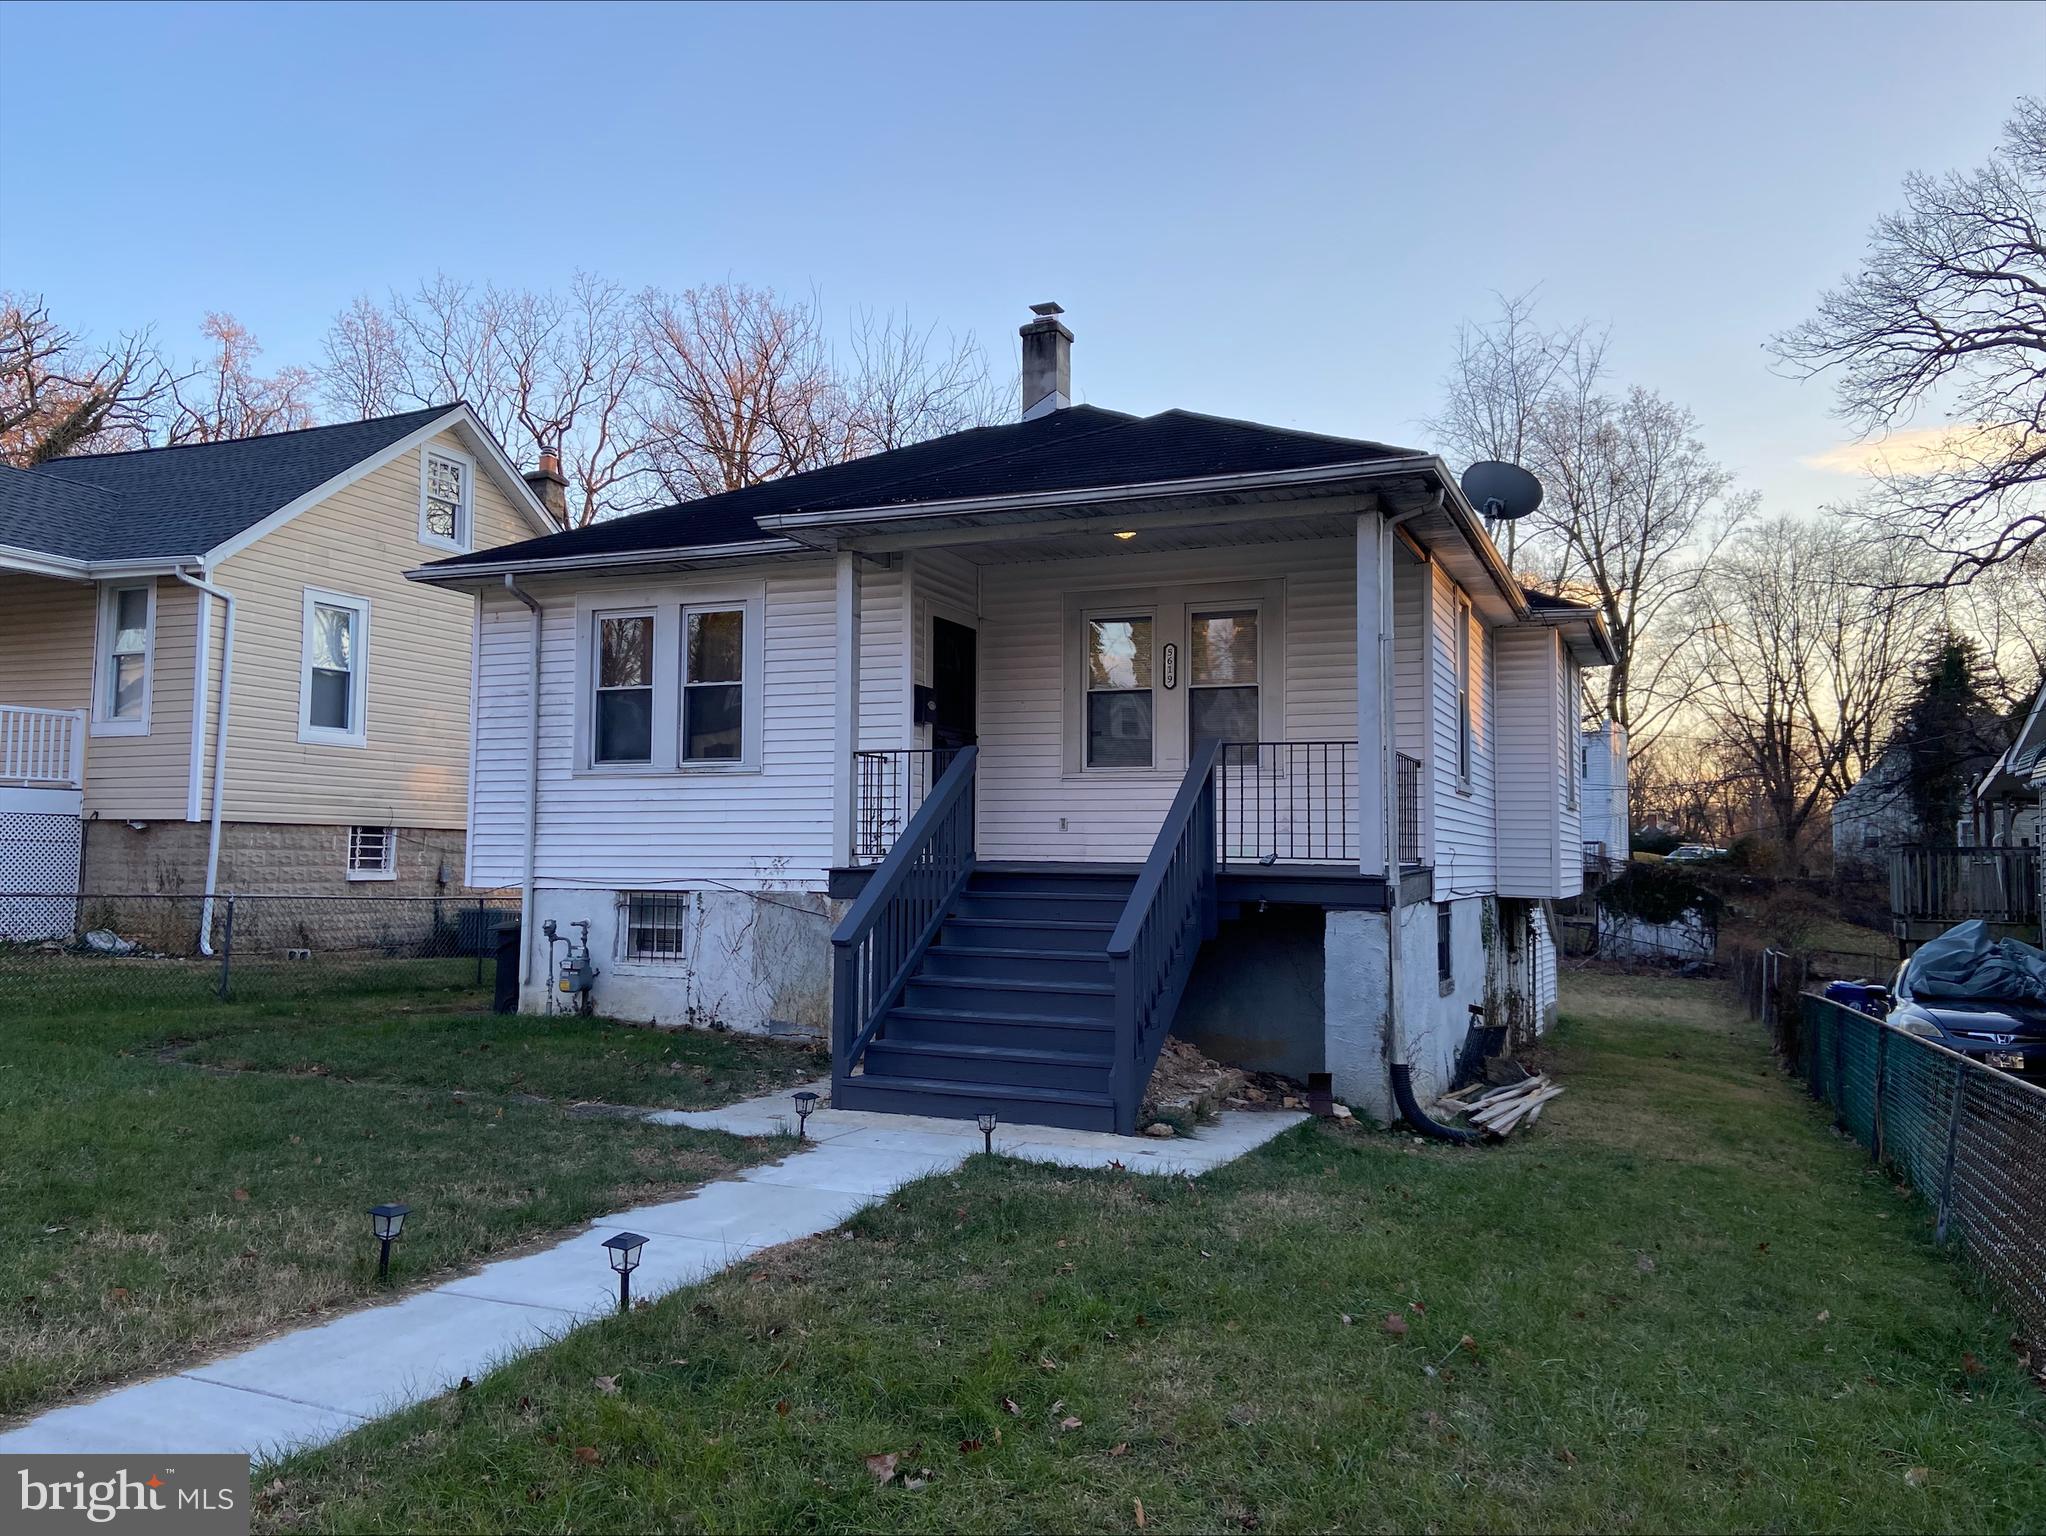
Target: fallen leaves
1069	1423
881	1466
608	1385
1918	1476
589	1456
969	1447
1137	1511
1395	1325
1644	1263
1120	1448
1009	1407
241	1194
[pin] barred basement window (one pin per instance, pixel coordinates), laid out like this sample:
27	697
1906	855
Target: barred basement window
372	853
653	924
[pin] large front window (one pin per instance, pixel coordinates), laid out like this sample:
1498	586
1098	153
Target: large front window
1120	703
625	688
1222	681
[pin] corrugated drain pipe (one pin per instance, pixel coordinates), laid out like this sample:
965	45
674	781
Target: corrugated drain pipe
511	585
1396	1042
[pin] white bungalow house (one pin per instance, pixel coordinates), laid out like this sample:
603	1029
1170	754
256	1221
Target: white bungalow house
1603	820
1003	754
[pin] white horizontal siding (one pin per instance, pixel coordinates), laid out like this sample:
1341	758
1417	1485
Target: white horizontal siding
941	585
1530	789
1464	830
884	659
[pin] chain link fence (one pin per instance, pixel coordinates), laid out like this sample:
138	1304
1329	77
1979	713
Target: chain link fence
68	952
1965	1136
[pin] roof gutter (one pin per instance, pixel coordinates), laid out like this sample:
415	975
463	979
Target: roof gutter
511	585
36	562
441	574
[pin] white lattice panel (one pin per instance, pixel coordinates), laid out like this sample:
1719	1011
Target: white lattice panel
38	862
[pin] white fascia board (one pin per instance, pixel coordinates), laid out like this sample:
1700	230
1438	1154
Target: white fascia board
33	562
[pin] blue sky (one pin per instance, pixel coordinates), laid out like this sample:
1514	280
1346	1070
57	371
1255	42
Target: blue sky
1270	212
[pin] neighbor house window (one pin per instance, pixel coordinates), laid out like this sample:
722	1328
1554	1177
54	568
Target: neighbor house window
713	684
624	715
446	484
1463	690
1119	700
1445	950
372	853
334	670
654	923
127	628
1221	699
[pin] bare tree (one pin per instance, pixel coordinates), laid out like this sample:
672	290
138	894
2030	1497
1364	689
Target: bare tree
904	386
224	396
1948	313
1634	509
365	372
1802	646
59	395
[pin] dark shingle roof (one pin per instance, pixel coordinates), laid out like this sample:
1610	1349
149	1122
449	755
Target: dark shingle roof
158	503
1079	448
1538	600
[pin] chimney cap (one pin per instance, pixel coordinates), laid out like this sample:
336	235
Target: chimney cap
1046	311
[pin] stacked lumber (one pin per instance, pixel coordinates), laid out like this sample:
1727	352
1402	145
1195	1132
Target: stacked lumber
1497	1111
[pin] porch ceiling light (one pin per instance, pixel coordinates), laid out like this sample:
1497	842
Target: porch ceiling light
622	1249
1127	534
386	1222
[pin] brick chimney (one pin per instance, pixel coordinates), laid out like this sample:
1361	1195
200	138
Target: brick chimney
550	485
1047	363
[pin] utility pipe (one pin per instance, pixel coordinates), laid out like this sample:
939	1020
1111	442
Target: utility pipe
511	585
1396	1034
226	598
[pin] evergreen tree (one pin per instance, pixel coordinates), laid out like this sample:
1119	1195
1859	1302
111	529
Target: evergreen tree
1948	727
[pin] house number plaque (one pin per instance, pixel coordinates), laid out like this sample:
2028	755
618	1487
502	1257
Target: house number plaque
1171	665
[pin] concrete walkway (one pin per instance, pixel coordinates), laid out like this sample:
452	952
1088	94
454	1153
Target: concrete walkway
316	1384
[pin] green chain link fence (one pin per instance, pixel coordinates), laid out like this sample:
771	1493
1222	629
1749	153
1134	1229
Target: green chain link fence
1971	1140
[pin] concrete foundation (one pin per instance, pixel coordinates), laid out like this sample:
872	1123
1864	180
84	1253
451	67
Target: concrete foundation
755	964
261	858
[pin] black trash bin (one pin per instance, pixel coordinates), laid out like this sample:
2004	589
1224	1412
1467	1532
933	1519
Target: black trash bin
505	997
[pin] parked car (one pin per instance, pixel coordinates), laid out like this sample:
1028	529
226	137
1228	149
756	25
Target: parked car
1979	996
1695	853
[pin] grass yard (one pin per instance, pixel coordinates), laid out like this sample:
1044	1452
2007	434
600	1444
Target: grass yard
155	1205
1682	1303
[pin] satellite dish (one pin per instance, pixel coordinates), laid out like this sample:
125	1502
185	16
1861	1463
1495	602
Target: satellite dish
1501	491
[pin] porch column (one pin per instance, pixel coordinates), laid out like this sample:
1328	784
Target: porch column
1374	727
845	711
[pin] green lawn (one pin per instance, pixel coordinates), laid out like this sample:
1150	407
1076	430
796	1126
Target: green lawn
1680	1303
155	1204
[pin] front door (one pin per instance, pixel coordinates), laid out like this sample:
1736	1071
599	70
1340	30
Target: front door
954	671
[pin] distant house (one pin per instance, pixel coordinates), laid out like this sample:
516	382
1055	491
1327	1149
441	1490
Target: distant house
316	742
1875	819
1003	754
1603	817
2009	802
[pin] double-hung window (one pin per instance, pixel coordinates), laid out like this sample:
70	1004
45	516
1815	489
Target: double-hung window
1120	705
1221	701
1463	690
623	727
713	684
334	670
446	496
127	629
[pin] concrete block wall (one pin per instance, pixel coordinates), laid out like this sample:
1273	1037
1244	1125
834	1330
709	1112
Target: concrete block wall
169	858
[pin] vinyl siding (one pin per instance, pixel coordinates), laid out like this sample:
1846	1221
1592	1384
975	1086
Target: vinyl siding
884	658
46	637
359	542
769	828
1026	788
1412	597
1464	828
1530	794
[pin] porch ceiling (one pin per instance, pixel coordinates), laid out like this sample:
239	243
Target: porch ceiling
1095	541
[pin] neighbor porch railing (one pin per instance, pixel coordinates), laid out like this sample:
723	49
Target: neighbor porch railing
892	784
1953	885
1170	913
1291	802
42	748
878	946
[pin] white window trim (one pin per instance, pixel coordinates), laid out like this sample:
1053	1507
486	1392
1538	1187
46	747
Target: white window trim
390	869
667	604
748	683
357	734
465	515
653	685
104	724
1159	639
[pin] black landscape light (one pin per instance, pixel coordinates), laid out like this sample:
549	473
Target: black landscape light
806	1101
987	1130
387	1221
623	1252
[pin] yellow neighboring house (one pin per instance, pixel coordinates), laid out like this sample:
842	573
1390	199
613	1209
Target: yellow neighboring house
214	675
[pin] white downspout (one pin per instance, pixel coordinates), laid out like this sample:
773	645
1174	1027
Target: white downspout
526	929
219	746
1396	1034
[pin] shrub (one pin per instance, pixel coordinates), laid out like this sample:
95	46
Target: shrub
1658	893
1654	840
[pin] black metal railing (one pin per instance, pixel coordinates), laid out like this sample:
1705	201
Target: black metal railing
893	783
1409	788
879	945
1288	802
1171	911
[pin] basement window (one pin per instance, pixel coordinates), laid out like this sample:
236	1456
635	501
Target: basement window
654	924
372	853
1445	949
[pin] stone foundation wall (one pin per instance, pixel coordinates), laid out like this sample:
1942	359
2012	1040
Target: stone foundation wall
169	858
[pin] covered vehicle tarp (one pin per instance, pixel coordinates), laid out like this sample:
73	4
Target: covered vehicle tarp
1965	964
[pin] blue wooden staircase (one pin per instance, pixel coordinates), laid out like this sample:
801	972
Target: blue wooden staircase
1041	994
